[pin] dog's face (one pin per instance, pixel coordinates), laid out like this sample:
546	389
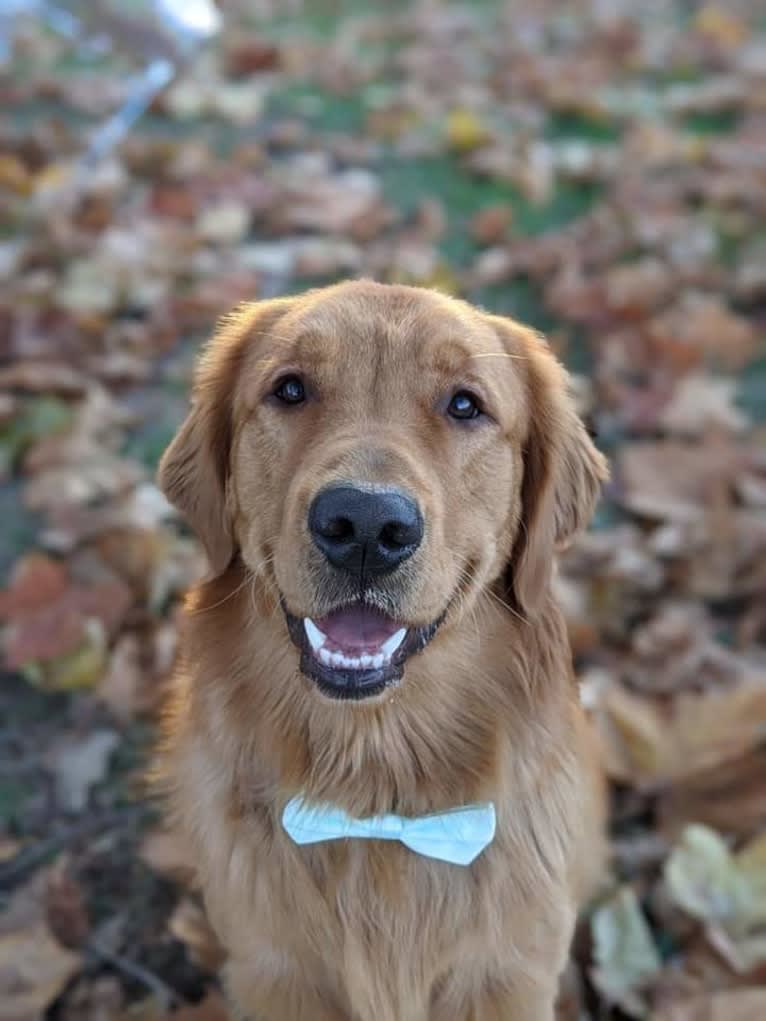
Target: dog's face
378	456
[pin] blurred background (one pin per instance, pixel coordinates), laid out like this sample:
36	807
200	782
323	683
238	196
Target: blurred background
596	168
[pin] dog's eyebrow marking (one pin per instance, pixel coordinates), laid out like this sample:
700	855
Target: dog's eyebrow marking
272	336
267	362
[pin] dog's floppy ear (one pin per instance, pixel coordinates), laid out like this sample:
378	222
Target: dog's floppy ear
563	471
194	470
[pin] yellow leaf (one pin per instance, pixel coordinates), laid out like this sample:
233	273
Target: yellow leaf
465	131
722	26
82	668
14	176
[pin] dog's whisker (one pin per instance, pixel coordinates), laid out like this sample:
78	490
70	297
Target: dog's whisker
506	606
226	598
500	354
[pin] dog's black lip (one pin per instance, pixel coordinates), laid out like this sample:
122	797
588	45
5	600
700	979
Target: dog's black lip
354	685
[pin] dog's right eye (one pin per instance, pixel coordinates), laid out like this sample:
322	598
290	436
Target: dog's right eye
291	390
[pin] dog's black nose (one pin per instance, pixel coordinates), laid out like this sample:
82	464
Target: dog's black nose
363	531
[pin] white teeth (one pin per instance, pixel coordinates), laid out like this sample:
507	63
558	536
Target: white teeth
315	636
389	647
318	642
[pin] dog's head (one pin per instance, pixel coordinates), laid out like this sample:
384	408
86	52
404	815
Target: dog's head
379	456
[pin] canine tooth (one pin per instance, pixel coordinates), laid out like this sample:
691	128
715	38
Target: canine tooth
377	661
315	636
326	656
389	647
365	660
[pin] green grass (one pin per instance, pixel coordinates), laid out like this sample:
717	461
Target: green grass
463	194
751	393
722	122
564	125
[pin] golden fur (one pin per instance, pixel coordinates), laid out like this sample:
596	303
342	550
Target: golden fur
366	930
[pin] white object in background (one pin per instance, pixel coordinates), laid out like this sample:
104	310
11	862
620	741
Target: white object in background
169	32
198	19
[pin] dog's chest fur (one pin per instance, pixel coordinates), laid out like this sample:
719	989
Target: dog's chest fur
382	925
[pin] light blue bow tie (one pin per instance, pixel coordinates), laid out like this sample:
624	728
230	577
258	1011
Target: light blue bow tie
457	836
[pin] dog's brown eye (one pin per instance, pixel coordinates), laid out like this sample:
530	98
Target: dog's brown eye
463	405
291	391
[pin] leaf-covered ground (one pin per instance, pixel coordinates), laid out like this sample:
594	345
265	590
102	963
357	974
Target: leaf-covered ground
596	169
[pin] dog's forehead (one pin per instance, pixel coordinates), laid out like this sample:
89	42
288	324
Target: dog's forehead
387	321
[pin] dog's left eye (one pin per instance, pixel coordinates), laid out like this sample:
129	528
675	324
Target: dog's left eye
463	406
291	391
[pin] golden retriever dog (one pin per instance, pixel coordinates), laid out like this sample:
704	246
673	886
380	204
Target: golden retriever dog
381	476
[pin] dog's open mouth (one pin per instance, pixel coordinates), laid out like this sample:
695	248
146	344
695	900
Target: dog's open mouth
357	651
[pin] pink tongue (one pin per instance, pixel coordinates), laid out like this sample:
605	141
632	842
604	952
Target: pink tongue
358	627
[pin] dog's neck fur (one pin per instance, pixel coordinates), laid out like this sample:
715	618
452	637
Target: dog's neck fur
418	750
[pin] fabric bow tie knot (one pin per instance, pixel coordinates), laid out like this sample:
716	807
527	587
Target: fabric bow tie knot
458	836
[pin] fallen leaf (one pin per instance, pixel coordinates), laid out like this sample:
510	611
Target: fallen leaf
34	966
224	224
638	287
701	401
729	797
490	225
720	25
78	764
94	999
726	891
34	969
648	744
625	956
701	328
465	131
737	1005
66	912
676	481
37	580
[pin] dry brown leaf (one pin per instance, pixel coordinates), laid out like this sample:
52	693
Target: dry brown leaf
34	966
94	999
638	287
676	650
737	1005
700	401
730	797
37	580
490	225
651	745
676	481
701	328
67	913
